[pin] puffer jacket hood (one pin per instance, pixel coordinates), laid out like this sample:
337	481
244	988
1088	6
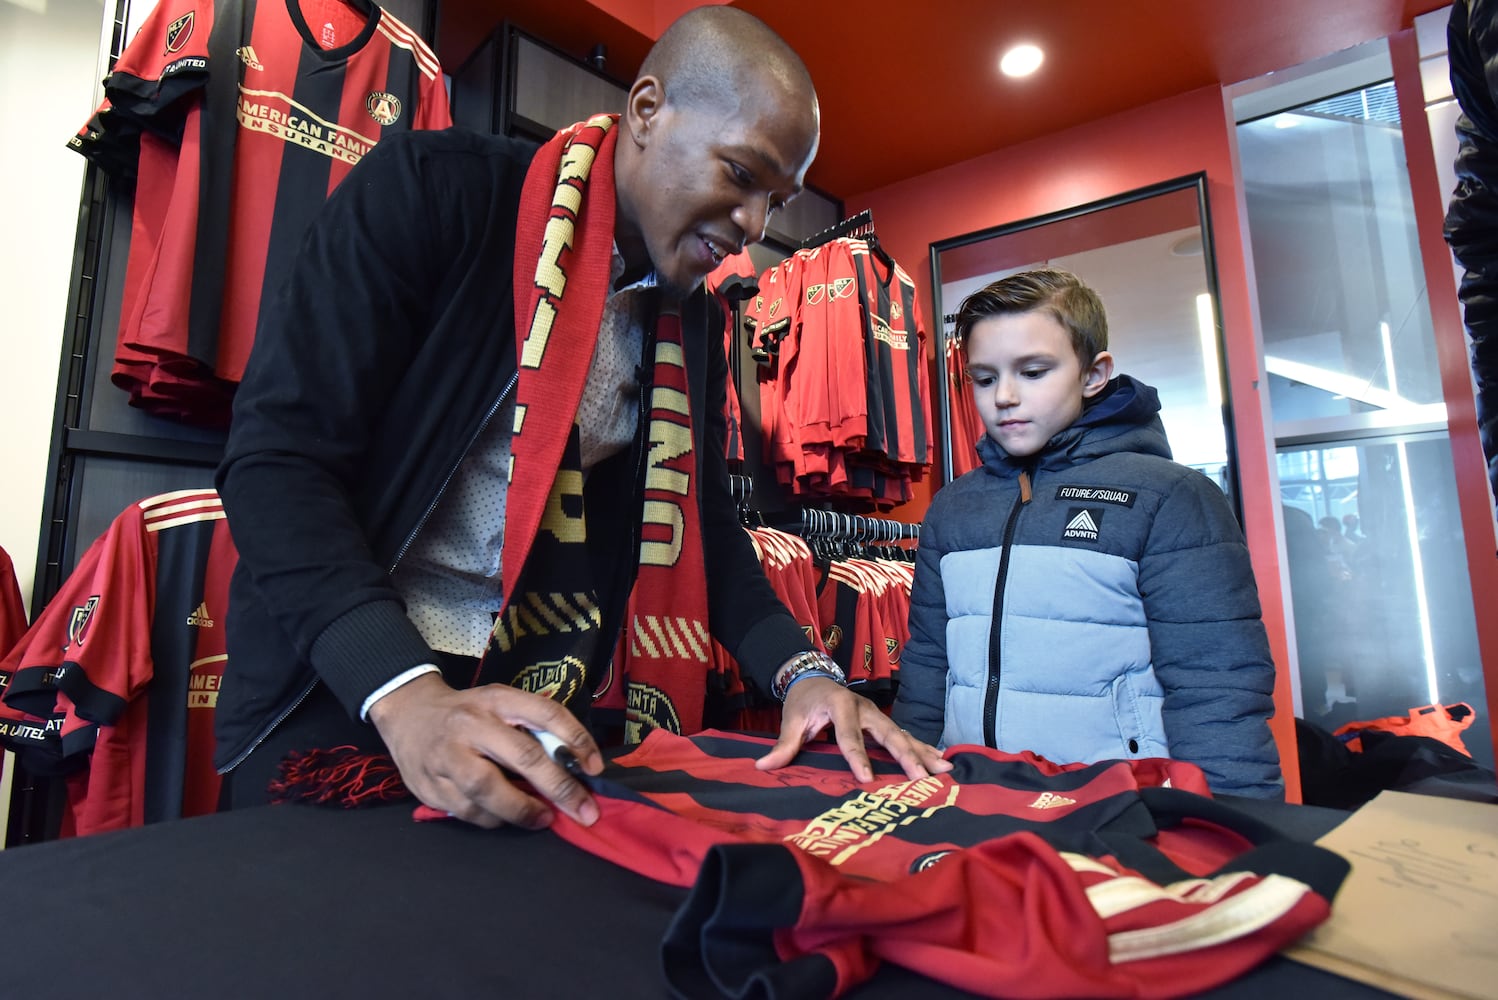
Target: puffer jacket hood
1124	417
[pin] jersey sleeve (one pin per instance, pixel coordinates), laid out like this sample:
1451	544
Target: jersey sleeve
150	86
94	639
432	110
12	608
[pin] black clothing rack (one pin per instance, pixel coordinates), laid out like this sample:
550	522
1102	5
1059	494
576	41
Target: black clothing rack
861	224
818	523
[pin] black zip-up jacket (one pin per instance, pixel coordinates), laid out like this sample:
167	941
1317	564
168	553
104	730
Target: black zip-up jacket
373	371
1472	216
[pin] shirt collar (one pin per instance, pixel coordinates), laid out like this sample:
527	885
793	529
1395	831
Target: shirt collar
616	268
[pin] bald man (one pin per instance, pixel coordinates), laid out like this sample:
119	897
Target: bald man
438	468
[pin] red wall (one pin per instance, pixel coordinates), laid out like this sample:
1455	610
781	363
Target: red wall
1171	138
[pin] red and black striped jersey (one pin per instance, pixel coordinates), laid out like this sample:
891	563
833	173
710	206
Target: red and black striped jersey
236	119
735	283
1008	876
126	660
12	608
895	348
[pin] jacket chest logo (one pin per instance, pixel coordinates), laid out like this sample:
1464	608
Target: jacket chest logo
1082	524
1097	494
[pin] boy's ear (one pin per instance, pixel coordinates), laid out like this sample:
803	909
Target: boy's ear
1098	374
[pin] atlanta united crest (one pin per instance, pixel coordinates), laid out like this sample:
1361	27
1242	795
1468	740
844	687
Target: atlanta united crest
559	680
383	108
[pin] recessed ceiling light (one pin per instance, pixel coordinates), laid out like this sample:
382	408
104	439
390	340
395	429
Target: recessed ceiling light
1022	60
1286	121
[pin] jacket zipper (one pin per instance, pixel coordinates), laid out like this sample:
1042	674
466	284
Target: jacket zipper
991	699
425	515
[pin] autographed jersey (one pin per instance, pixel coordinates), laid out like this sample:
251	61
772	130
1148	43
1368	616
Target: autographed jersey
126	661
235	119
1008	876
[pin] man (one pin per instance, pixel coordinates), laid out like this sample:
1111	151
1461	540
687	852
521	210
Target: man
368	472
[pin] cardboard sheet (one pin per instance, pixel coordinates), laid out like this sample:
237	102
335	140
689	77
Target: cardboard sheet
1418	914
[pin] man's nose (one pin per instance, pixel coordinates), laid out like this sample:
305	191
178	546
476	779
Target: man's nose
751	216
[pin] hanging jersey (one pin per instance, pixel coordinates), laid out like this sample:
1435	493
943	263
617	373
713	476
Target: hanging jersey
133	644
250	117
895	351
1008	876
12	608
967	428
735	283
787	564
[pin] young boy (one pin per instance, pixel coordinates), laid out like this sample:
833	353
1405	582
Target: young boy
1080	595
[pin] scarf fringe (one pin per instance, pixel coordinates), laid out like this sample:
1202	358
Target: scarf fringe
346	777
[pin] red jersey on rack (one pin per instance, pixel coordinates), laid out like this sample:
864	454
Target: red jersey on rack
126	660
1008	876
235	119
12	608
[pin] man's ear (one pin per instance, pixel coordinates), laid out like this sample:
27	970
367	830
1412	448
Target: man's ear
1098	374
646	98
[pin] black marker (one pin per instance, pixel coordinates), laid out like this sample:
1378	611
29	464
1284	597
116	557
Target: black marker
560	752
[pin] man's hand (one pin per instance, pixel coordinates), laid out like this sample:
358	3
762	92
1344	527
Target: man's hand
815	702
450	745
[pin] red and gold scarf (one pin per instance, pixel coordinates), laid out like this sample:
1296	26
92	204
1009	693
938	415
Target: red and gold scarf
547	632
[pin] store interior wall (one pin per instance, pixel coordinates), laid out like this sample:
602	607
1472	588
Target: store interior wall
49	53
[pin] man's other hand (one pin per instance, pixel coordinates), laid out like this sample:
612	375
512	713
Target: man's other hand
816	702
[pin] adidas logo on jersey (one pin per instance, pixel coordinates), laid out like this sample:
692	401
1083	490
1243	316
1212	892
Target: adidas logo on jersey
200	617
1050	800
1082	524
246	55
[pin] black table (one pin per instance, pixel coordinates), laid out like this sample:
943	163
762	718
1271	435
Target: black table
297	901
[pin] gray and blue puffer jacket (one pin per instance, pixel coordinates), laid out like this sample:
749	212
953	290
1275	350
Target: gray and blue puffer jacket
1092	602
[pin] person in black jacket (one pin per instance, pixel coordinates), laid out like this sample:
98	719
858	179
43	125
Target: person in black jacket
1472	217
366	471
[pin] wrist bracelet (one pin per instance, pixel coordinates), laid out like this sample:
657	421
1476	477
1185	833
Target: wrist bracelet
802	664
